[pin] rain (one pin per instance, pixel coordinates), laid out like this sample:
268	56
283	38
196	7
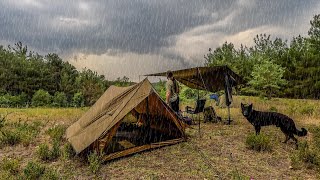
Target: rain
149	89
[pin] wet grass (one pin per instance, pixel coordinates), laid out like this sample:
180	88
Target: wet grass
218	152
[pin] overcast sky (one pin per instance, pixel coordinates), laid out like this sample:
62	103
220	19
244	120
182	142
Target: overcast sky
133	37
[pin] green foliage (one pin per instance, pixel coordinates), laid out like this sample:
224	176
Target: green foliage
60	99
11	165
161	89
50	174
23	73
307	109
43	152
46	154
306	155
56	133
41	98
55	152
68	151
33	170
78	100
10	137
259	142
94	162
8	100
235	175
27	131
267	77
296	62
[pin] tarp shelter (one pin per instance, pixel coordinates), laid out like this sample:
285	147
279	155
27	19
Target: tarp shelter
126	120
211	79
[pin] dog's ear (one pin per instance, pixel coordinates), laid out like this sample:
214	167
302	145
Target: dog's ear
250	106
242	105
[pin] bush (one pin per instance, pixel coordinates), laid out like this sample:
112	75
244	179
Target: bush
27	131
55	152
50	174
94	162
45	154
60	100
10	165
258	142
8	100
56	133
68	151
33	170
78	100
308	155
10	137
41	98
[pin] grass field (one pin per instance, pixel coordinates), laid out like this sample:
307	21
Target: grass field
220	152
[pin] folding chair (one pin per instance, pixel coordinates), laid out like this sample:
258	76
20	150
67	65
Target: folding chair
198	109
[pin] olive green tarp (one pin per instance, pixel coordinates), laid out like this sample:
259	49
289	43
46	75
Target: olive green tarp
205	78
111	108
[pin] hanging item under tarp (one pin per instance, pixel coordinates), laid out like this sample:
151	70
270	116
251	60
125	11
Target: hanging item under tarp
229	83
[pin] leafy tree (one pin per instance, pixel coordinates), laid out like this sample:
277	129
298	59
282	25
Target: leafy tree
314	32
60	99
41	98
268	77
78	100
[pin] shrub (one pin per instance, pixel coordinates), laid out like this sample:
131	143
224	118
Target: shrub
10	165
41	98
316	136
258	142
78	100
55	152
60	99
43	152
10	137
307	155
68	151
27	131
94	162
50	174
33	170
56	133
8	100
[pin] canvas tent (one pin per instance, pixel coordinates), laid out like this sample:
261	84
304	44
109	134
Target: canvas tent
126	120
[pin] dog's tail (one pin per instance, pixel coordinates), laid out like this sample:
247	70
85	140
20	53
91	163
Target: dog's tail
303	132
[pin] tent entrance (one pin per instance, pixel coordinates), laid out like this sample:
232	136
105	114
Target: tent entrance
142	128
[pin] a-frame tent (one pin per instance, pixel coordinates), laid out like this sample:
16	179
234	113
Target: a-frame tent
126	120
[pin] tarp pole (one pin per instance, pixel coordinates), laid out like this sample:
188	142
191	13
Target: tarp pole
229	120
198	101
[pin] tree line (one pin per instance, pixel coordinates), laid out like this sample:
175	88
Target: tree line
30	79
274	67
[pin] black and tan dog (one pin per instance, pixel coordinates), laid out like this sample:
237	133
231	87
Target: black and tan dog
286	124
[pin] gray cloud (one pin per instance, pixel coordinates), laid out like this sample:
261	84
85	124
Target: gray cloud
179	32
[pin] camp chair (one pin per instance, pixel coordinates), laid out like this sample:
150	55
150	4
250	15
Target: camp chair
198	109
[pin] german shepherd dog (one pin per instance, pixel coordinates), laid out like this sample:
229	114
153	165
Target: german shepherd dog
286	124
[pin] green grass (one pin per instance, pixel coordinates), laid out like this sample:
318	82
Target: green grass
181	161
